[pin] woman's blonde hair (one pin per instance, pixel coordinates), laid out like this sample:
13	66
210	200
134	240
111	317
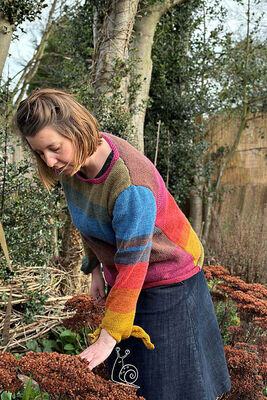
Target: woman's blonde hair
49	107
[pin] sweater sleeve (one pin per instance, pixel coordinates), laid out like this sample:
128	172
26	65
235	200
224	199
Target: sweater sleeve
134	217
89	261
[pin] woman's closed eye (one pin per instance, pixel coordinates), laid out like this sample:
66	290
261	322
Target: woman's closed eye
54	150
40	153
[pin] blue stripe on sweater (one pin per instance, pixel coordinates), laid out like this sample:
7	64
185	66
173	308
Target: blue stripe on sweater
140	248
134	214
83	202
89	226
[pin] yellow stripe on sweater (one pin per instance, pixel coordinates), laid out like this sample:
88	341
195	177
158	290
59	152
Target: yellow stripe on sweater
194	247
137	332
120	326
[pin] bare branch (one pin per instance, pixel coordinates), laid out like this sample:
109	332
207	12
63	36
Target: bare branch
33	64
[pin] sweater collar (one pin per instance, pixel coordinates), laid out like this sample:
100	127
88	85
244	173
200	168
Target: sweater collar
103	177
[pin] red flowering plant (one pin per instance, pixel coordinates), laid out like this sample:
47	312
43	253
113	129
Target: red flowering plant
9	380
245	340
87	318
88	313
62	376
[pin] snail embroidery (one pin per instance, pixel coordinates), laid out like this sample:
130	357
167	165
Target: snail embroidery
125	373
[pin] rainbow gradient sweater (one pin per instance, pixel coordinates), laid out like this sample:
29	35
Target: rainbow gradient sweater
131	224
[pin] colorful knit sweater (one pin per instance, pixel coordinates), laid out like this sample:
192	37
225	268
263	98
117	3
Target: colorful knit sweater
131	224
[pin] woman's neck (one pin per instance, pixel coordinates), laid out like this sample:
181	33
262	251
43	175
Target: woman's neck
95	162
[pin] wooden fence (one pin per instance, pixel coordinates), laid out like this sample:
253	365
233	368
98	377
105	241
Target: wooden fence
245	177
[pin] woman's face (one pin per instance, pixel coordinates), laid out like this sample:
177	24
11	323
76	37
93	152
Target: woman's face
56	150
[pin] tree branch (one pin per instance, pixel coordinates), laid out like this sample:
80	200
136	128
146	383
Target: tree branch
32	66
243	122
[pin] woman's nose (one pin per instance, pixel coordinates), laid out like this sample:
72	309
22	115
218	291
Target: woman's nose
50	160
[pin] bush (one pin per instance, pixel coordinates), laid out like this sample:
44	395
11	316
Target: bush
246	340
30	215
61	376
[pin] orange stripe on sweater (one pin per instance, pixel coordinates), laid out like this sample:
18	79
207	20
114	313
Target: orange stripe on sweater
176	227
122	301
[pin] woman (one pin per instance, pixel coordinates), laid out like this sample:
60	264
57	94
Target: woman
151	256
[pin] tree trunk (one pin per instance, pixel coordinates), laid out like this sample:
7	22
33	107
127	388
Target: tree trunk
112	44
6	30
196	206
207	217
197	193
142	43
96	27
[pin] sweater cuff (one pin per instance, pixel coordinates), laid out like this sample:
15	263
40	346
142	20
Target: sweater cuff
136	331
88	265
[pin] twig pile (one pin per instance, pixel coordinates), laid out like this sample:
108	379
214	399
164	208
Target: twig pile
13	296
32	279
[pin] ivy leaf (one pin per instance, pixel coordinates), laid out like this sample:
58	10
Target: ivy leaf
6	396
68	347
68	336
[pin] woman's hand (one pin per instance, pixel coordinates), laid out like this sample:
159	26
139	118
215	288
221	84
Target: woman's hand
100	350
97	290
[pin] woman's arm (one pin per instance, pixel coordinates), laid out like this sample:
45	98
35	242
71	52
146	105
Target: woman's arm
134	215
133	222
97	290
100	350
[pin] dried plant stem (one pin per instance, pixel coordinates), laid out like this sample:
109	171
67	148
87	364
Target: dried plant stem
168	160
157	144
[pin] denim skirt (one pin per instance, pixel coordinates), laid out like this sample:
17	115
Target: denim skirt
188	362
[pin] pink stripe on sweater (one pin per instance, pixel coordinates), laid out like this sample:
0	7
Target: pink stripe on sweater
161	200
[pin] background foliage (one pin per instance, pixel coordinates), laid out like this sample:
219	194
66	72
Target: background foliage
18	11
28	213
